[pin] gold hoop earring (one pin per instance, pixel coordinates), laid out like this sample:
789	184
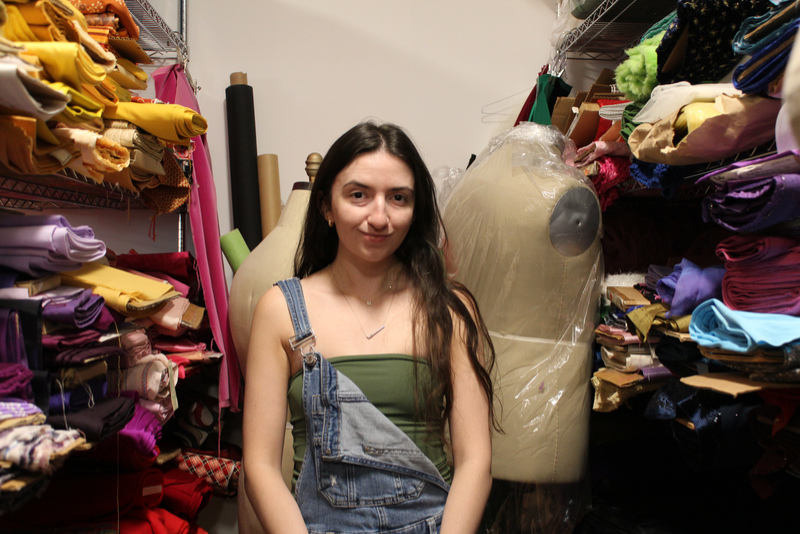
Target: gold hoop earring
330	222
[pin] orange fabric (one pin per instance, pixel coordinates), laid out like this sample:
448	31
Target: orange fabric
128	27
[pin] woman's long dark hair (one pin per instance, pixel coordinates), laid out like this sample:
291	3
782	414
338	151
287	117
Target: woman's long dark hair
436	297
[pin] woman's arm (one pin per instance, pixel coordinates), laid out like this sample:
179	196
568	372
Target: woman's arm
471	441
264	413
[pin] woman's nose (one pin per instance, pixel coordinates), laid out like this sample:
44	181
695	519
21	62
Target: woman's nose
378	216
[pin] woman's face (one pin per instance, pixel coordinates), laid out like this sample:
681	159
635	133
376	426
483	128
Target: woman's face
372	206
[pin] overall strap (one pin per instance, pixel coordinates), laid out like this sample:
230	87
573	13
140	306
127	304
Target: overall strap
303	333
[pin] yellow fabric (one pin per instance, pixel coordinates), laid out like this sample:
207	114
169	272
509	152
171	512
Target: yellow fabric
81	110
123	95
133	68
171	122
21	153
131	294
126	78
68	63
17	28
104	92
692	115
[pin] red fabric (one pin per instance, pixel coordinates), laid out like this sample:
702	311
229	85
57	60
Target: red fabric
156	521
221	473
178	265
185	494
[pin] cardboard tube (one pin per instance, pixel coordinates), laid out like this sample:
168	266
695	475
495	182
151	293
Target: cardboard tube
269	191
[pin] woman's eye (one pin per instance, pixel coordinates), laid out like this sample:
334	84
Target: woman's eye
358	195
399	198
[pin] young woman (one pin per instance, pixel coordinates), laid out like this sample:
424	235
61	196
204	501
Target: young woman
384	357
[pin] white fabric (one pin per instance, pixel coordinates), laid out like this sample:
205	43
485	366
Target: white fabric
666	99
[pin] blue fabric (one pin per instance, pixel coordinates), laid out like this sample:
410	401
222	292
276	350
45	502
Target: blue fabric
361	473
715	325
766	64
740	43
658	175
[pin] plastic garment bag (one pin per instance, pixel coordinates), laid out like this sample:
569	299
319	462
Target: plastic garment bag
524	234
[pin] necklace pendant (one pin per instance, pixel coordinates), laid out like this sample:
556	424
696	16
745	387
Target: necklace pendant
369	302
376	332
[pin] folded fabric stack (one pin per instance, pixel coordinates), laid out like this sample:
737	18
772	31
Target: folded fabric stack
92	353
67	70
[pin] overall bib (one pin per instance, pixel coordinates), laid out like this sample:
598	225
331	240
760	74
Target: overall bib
361	474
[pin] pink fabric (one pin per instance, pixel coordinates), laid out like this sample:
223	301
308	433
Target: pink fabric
172	86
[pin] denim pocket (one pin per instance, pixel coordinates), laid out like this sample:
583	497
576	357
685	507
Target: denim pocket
349	485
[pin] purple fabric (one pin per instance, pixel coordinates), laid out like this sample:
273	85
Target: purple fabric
172	86
761	195
752	205
72	400
41	244
59	341
12	407
76	308
81	355
15	380
144	431
762	274
688	285
12	342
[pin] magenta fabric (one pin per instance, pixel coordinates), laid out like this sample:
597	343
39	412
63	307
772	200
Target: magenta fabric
15	379
172	86
762	274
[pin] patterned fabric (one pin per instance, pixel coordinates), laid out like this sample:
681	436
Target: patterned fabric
710	27
173	188
222	473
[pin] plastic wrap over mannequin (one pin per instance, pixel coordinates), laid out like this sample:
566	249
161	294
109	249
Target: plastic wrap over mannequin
270	261
524	236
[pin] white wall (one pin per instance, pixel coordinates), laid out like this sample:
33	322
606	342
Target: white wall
318	67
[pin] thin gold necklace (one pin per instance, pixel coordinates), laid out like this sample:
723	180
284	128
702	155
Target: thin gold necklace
369	303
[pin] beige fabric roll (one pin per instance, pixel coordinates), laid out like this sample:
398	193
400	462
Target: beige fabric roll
269	192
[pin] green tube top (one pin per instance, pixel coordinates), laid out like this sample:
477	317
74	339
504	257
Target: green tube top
387	380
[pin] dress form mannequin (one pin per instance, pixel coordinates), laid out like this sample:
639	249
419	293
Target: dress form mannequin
270	261
524	236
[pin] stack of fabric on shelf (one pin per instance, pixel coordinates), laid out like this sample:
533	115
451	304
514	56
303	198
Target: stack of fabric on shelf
69	73
94	345
684	98
628	365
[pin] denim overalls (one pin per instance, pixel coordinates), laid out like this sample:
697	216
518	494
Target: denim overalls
361	474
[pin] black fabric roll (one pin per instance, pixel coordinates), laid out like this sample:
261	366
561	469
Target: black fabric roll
243	162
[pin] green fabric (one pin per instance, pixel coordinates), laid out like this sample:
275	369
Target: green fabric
660	26
387	380
548	89
631	110
636	76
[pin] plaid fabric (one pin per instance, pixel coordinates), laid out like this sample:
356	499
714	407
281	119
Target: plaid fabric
221	473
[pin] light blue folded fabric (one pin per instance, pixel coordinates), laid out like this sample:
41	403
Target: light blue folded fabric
713	324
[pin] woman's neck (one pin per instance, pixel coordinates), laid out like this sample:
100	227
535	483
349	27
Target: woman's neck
365	281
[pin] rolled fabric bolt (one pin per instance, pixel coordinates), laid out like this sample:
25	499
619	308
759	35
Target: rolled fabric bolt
234	248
